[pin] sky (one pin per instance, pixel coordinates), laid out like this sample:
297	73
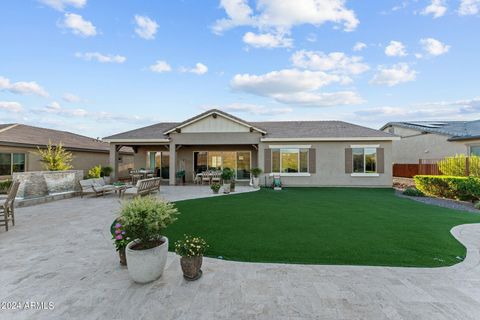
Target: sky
102	67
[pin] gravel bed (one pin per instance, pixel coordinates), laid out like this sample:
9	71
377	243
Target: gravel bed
446	203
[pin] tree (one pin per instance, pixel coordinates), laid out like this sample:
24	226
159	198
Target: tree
55	158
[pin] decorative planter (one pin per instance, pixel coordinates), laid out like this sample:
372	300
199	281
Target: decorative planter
226	188
123	257
215	191
146	265
107	179
256	182
191	267
232	186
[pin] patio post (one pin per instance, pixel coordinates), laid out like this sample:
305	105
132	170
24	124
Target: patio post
113	159
172	169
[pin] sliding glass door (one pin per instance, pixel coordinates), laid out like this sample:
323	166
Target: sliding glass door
239	161
159	163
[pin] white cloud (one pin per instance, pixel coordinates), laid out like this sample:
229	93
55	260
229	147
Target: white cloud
199	69
469	7
11	106
395	49
437	8
253	109
78	25
146	27
22	87
96	56
267	40
336	62
70	97
434	47
60	5
160	66
359	46
57	109
321	99
396	74
311	37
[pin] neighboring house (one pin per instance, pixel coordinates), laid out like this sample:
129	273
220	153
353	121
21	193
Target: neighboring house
19	152
304	153
433	139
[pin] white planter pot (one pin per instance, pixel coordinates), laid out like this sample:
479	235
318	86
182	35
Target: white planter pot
226	187
256	182
107	179
147	265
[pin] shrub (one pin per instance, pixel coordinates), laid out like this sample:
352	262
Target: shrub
191	246
144	218
457	165
227	174
106	171
413	192
5	185
95	172
461	188
256	172
215	187
55	158
477	205
119	235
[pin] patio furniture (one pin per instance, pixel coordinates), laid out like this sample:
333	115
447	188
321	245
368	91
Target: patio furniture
135	176
206	176
198	178
96	186
7	209
215	177
143	187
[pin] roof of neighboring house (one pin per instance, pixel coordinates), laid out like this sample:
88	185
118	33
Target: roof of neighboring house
270	129
29	136
456	130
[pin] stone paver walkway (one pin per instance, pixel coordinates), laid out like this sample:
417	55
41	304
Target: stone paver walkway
62	252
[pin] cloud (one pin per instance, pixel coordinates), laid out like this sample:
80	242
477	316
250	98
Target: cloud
252	109
282	15
395	49
321	99
436	8
335	62
96	56
469	7
146	27
434	47
11	106
71	98
199	69
78	25
160	66
267	40
396	74
359	46
60	5
22	87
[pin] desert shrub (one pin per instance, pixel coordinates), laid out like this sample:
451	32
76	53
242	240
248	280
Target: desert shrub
461	188
457	165
55	158
413	192
95	172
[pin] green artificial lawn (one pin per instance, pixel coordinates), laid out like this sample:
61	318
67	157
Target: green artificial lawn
352	226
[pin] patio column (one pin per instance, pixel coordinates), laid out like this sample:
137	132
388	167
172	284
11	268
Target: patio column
114	160
173	160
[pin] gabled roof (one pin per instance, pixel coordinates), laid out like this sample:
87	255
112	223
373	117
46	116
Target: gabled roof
455	130
29	136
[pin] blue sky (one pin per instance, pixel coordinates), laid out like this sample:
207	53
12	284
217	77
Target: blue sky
102	67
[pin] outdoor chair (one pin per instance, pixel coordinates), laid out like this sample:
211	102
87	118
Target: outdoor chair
144	187
96	186
135	177
206	177
7	210
216	177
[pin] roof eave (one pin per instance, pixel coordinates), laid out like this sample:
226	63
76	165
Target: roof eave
331	139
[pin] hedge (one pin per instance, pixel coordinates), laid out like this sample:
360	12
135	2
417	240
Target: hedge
452	187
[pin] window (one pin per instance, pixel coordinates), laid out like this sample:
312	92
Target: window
11	162
475	151
364	160
290	160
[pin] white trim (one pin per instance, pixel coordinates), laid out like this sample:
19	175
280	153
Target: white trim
290	146
360	174
291	174
136	140
218	114
331	139
365	146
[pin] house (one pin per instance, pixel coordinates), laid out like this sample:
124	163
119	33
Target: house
304	153
19	153
433	140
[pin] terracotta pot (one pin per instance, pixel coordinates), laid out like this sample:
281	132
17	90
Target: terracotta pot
123	257
191	267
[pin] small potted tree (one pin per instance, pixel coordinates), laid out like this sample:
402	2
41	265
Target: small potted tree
191	250
256	172
215	187
144	219
227	175
106	172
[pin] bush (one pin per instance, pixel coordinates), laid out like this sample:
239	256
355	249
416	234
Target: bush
413	192
95	172
144	218
477	205
190	246
256	172
215	187
461	188
55	158
106	171
227	174
5	185
457	165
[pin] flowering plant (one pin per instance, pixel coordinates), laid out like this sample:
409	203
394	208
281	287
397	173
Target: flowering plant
190	246
119	236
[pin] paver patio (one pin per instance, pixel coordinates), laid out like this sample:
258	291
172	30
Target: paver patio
62	252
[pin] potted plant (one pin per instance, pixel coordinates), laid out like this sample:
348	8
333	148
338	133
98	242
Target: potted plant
191	250
232	182
120	239
256	172
180	175
227	175
144	219
215	187
106	172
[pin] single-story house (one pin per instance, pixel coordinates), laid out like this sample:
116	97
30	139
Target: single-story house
303	153
19	145
433	140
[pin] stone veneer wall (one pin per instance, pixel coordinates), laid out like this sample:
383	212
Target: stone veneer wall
36	184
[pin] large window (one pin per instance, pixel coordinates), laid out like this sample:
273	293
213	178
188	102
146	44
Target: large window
364	160
290	160
475	151
11	162
239	161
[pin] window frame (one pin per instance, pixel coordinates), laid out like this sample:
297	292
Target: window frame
287	147
12	163
364	173
470	149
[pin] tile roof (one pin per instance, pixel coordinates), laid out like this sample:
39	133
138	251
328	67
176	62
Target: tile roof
456	130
